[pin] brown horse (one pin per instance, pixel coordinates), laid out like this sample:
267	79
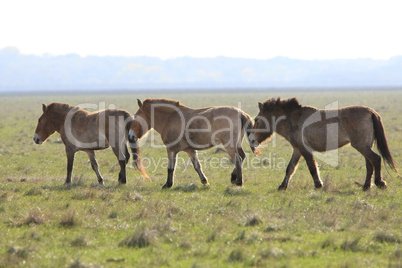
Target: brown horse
186	129
309	129
81	130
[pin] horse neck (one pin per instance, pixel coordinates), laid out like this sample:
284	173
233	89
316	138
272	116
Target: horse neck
161	118
281	123
58	119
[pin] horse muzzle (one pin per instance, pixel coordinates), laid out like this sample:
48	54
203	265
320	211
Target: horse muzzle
251	139
37	140
131	136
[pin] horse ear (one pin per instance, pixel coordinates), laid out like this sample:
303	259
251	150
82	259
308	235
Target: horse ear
44	108
139	103
261	106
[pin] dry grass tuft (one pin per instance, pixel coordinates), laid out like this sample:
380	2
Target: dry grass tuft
254	221
21	253
192	187
128	196
35	216
77	264
384	237
84	195
351	245
140	239
35	191
69	219
328	243
113	215
236	191
236	255
79	242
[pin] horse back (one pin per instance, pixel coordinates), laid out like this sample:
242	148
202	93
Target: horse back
324	130
205	127
96	130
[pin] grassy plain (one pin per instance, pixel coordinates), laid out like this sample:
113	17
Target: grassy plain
46	224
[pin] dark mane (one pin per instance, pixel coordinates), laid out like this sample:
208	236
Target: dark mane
287	104
164	101
63	107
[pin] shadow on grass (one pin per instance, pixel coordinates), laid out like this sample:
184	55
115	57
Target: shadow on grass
190	188
236	191
78	182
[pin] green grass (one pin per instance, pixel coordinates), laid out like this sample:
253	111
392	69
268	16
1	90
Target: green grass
46	224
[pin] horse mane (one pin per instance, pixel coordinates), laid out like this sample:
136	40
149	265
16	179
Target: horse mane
164	101
62	107
288	105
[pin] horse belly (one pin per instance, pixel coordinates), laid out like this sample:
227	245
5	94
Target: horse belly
199	140
325	137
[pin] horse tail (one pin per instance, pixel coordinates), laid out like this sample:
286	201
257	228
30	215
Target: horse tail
135	149
248	124
382	144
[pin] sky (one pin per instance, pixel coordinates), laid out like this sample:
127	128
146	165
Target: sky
302	29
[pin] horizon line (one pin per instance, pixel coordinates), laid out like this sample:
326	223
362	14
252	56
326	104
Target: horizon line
48	55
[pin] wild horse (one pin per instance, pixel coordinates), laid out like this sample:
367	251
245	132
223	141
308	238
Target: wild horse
81	130
185	129
309	129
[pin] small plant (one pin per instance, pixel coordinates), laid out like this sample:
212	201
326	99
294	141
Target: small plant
35	217
19	252
192	187
113	215
241	236
351	245
140	239
236	191
384	237
79	242
236	255
271	228
253	221
329	242
77	264
35	191
69	219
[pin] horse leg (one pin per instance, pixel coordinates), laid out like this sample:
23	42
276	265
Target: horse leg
120	154
126	153
233	177
290	170
94	165
312	166
171	166
237	156
370	171
70	164
375	161
197	166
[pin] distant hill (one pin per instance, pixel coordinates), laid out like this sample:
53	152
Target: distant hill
73	72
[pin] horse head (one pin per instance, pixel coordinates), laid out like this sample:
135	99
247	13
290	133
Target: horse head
141	123
45	126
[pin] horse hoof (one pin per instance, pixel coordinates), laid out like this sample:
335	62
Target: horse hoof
166	186
282	187
381	184
366	187
318	186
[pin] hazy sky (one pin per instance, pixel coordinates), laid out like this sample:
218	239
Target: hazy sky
301	29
